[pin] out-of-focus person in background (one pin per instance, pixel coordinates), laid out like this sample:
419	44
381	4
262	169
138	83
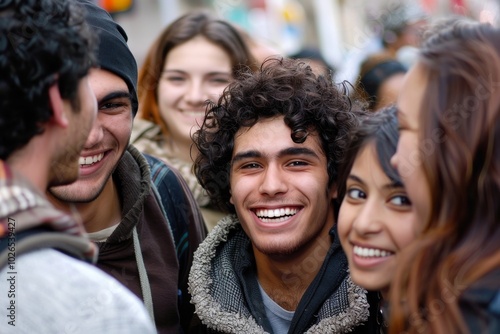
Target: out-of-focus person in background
402	27
259	48
380	80
190	63
313	57
448	156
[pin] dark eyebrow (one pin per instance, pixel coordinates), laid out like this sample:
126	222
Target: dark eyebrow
286	152
209	73
245	155
392	185
355	178
116	95
297	151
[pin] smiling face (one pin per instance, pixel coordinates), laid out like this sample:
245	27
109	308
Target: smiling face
194	72
375	222
409	156
107	141
280	189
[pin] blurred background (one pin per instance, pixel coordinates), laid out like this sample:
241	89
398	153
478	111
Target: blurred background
343	31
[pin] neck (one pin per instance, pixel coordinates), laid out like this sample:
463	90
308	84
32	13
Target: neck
384	293
32	165
104	211
285	279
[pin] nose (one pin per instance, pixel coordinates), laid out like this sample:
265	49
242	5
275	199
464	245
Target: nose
196	93
368	220
96	134
273	181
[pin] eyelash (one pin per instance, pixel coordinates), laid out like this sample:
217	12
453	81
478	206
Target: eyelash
362	195
250	165
298	163
405	202
112	105
350	191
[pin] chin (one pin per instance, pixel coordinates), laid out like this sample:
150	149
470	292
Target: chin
367	283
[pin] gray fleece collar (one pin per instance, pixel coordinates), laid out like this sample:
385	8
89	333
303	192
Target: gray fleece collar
215	312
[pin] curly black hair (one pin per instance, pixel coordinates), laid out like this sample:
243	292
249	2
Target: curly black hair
282	87
41	42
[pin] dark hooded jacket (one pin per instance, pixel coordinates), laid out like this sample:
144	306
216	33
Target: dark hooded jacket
148	265
224	288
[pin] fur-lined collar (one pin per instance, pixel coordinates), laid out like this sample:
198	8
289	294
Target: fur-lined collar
217	293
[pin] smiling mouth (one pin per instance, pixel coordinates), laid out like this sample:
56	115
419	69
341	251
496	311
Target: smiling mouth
371	252
90	160
275	215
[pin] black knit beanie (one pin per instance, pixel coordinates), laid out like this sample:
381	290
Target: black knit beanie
114	54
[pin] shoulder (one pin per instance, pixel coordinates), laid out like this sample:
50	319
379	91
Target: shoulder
147	137
143	129
480	305
80	296
163	174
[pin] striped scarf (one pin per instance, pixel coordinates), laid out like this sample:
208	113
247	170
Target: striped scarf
22	207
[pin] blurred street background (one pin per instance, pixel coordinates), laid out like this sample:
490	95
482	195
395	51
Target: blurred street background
344	31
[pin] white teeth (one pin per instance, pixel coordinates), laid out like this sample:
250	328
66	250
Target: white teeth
91	159
276	214
370	252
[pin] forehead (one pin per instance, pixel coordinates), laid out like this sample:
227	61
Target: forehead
367	166
270	136
412	93
104	82
197	52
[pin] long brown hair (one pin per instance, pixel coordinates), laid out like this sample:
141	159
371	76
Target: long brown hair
460	149
183	29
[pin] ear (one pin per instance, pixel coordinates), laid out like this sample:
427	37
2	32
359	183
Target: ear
57	104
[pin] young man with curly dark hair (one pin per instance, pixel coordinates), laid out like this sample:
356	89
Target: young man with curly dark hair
47	111
269	153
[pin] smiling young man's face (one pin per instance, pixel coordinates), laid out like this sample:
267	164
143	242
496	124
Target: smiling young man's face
280	189
106	142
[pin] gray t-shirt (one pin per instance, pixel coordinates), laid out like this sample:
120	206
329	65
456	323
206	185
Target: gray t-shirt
279	318
50	292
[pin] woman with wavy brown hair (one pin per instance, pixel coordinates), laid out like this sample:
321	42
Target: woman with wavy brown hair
192	60
448	280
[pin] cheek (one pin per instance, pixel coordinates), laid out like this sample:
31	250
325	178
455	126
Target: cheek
238	190
407	159
404	229
214	92
168	94
122	128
